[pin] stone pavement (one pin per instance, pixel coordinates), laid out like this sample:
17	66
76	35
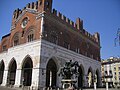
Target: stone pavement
102	89
6	88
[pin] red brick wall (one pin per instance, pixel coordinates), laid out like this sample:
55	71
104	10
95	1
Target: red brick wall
66	33
32	24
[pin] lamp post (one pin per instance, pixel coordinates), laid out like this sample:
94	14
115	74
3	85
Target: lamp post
108	76
95	80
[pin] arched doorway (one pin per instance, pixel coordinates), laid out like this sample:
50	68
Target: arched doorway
51	74
11	72
90	77
27	72
2	67
80	77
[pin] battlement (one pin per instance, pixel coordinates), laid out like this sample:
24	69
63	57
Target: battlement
33	5
78	25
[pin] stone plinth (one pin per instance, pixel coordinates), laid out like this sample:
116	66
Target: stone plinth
68	84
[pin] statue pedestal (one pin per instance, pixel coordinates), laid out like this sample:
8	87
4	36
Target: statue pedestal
68	84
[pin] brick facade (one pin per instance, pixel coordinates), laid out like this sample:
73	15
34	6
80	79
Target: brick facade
57	29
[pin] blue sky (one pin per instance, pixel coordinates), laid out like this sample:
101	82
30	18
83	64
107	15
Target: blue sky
101	16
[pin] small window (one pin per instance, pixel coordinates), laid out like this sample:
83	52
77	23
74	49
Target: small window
4	48
22	33
30	37
16	40
106	73
77	50
67	45
47	3
110	72
119	68
114	68
53	39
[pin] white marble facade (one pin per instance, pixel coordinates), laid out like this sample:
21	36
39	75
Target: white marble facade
40	52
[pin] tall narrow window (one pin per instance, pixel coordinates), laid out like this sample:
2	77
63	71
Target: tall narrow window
77	50
53	39
4	48
47	4
16	40
30	37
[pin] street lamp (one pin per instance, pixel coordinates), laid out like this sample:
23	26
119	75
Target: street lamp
107	77
95	80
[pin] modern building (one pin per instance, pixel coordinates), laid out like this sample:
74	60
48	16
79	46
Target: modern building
40	41
111	67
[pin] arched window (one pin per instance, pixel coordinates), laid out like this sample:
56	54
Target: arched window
66	45
67	39
4	45
30	36
53	37
16	39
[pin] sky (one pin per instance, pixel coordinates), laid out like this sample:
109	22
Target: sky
101	16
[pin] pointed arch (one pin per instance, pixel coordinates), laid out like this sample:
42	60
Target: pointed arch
81	76
51	73
30	34
55	60
2	67
15	39
27	66
25	60
11	72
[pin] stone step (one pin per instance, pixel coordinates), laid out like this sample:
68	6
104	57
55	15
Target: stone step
13	88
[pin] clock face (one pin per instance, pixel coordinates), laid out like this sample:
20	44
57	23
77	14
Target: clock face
24	22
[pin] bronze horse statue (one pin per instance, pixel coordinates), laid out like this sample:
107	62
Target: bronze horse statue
70	68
